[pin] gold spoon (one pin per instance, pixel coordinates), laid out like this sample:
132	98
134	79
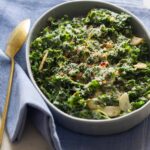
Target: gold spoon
15	42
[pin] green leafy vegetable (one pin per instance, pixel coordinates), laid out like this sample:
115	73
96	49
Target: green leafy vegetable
84	65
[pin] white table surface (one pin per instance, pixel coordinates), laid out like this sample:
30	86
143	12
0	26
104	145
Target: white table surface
31	140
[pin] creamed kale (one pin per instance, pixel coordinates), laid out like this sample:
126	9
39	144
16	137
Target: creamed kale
92	67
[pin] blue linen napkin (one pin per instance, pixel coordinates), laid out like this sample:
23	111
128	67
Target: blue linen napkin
26	100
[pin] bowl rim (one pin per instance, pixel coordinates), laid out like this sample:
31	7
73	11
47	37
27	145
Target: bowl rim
41	93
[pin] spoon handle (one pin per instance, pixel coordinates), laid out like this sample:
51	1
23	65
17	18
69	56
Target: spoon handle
6	106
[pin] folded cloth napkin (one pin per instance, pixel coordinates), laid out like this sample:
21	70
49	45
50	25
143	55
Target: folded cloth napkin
26	100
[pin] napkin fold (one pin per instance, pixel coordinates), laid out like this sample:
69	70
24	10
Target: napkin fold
25	99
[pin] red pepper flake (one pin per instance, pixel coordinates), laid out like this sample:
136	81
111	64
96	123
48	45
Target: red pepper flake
104	64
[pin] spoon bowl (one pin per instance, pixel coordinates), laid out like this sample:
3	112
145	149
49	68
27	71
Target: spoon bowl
17	38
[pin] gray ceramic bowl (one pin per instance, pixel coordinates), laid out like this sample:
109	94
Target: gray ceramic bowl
92	127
